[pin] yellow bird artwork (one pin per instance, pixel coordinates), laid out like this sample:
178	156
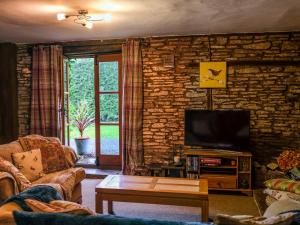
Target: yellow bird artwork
212	75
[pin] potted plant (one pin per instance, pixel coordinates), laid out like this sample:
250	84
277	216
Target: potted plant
83	118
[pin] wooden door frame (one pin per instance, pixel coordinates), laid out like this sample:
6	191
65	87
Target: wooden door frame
108	161
65	114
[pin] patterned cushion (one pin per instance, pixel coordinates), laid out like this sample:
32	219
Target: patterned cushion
284	185
21	180
270	200
53	157
282	195
29	163
283	219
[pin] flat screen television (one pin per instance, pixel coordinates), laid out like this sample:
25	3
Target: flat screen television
220	129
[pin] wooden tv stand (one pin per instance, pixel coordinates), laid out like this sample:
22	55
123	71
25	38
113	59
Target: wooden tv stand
233	174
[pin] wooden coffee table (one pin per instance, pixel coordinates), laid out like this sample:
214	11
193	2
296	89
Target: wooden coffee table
153	190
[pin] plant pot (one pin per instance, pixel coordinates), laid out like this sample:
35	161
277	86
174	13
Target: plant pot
82	145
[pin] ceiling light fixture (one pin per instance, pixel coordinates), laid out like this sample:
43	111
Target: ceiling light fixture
84	19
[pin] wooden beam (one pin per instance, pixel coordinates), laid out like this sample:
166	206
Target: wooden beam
258	63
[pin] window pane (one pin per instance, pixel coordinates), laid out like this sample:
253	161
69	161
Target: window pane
109	74
109	108
109	139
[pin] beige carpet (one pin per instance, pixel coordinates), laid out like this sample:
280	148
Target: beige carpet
218	203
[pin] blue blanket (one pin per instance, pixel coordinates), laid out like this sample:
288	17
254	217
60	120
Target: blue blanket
29	218
42	193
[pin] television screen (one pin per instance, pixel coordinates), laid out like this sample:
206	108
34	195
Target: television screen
217	129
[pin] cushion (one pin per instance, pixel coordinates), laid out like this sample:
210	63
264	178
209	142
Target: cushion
65	178
282	195
281	207
283	219
53	156
48	178
59	206
29	163
288	159
284	185
270	200
21	180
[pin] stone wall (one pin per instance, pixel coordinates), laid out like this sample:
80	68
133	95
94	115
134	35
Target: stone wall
24	64
270	91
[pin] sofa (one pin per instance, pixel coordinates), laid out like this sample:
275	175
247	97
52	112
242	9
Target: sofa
67	181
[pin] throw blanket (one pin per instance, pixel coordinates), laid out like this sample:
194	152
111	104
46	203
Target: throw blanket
40	198
42	193
25	218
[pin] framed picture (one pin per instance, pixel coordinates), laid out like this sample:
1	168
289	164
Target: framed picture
213	74
168	61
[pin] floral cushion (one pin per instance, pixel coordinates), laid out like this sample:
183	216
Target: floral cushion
29	163
284	185
21	180
53	157
288	160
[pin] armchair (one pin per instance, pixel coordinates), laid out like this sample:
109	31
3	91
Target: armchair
69	180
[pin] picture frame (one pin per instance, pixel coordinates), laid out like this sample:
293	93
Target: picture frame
213	74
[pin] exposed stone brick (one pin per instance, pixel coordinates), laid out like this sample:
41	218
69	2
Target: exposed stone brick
270	92
24	67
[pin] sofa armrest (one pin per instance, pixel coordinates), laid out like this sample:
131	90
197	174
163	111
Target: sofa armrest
8	186
71	156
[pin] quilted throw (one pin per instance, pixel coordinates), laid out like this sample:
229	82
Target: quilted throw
53	157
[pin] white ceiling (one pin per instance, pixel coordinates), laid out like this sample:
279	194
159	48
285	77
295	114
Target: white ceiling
31	21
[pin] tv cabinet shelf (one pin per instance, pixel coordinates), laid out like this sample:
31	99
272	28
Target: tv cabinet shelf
227	170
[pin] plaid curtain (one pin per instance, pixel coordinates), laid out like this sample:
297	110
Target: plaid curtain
47	79
132	106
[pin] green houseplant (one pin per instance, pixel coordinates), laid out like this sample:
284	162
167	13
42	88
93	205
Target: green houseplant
83	118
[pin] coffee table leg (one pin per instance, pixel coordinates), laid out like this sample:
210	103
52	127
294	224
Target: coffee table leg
204	211
99	203
110	207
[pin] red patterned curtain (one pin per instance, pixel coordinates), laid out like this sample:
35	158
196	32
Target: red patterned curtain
132	106
47	78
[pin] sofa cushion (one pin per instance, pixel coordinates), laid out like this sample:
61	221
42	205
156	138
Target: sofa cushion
283	219
59	206
282	195
21	180
7	149
53	156
284	185
49	178
66	178
280	207
29	163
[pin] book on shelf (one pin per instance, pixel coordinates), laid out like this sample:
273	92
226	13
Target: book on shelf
210	161
211	164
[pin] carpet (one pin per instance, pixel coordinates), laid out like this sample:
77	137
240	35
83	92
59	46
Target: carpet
218	203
